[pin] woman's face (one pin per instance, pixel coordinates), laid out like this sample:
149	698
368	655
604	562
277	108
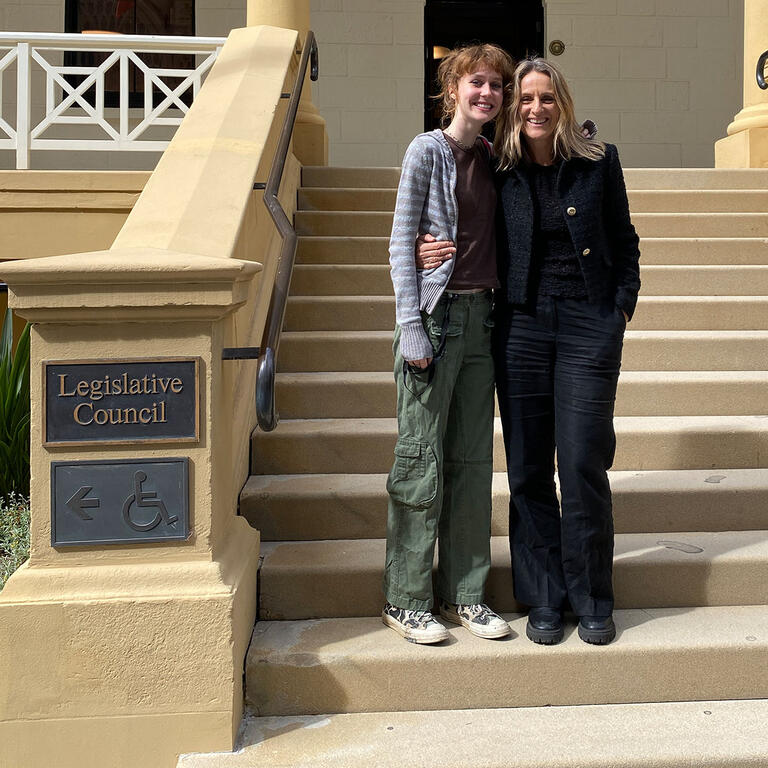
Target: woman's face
479	95
538	108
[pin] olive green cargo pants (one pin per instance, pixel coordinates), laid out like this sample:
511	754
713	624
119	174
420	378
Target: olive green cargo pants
440	484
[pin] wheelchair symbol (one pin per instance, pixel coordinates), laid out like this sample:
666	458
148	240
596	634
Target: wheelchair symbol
144	500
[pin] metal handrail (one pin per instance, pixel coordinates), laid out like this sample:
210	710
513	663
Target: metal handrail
267	364
760	73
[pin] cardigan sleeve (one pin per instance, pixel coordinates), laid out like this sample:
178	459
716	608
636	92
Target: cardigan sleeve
412	194
623	238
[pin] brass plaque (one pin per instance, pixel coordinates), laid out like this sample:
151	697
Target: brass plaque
90	402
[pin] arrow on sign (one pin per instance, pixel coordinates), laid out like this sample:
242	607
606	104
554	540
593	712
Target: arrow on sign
78	503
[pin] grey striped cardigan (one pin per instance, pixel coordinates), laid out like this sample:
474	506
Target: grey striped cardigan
426	203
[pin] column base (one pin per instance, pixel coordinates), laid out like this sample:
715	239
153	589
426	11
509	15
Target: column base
144	740
310	139
126	664
745	149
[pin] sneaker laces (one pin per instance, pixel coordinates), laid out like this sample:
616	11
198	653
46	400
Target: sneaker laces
479	612
422	617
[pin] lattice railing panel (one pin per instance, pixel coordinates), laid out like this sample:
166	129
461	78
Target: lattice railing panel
74	95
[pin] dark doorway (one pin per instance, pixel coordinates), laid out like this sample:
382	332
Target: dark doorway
515	25
130	17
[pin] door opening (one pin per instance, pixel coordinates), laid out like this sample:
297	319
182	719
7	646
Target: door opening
515	25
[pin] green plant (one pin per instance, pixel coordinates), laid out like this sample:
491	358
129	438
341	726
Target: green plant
14	410
14	534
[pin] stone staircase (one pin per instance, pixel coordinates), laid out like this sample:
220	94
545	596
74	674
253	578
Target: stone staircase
686	681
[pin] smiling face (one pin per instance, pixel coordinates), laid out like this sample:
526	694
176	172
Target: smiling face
538	108
478	96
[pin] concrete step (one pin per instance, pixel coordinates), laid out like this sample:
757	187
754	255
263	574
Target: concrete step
655	250
335	351
348	199
342	578
640	201
726	734
701	224
330	394
338	313
341	280
44	182
696	178
363	178
658	280
327	666
365	446
643	351
379	223
704	280
636	178
343	223
657	313
342	250
698	201
703	250
341	506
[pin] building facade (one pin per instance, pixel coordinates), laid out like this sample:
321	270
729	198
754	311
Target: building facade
661	78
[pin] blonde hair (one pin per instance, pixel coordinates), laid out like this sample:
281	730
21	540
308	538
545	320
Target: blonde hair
568	140
467	59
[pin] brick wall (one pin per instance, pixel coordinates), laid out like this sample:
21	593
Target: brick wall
215	18
662	78
371	87
33	16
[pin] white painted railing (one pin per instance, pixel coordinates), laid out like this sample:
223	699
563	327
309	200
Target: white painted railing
120	128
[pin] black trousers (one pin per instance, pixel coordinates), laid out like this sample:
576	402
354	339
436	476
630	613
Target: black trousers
557	365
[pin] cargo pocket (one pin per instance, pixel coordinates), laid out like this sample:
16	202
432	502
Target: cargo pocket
413	479
434	326
435	331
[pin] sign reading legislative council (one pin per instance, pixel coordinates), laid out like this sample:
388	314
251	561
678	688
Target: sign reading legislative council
121	401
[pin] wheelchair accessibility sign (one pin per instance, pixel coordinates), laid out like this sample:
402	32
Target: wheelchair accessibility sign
121	501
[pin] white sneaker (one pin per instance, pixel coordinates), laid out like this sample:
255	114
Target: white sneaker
414	626
479	619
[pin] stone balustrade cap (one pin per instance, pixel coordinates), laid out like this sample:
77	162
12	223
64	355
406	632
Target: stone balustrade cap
127	265
126	285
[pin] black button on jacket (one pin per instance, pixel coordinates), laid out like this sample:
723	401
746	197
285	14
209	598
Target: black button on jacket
601	230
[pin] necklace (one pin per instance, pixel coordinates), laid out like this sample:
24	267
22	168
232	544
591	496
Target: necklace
466	147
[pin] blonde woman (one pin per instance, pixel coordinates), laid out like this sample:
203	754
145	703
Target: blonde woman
568	261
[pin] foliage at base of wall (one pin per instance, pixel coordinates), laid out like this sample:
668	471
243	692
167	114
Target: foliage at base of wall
14	534
14	410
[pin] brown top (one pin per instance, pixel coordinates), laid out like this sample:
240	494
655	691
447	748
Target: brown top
475	265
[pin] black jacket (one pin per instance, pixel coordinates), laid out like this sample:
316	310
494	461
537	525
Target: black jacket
594	201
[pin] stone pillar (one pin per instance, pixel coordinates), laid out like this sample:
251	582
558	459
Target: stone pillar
746	145
122	639
310	139
127	650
